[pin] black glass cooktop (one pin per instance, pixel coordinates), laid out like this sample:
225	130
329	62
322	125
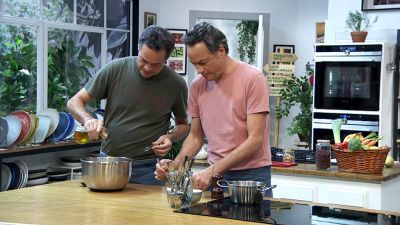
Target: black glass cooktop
275	212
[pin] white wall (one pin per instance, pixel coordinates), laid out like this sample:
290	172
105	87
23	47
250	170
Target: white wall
148	6
292	23
383	30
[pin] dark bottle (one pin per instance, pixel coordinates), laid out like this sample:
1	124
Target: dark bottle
216	191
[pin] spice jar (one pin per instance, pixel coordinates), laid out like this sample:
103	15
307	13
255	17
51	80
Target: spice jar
323	154
288	156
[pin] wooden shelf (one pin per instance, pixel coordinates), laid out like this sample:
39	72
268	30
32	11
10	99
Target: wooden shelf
44	148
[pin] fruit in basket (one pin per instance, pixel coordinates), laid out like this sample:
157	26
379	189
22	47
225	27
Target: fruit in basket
389	162
353	136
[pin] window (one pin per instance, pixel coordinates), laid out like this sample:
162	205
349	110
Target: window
18	66
48	52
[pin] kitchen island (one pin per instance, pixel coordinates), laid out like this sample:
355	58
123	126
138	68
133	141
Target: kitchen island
68	202
305	182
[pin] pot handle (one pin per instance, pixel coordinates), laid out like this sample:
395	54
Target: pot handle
221	182
264	188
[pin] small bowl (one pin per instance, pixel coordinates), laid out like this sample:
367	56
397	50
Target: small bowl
196	196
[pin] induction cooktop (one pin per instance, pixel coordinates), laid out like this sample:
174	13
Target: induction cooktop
276	212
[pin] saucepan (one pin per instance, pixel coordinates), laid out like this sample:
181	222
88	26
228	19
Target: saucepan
245	192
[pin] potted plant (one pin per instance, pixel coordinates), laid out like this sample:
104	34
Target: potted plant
359	22
298	91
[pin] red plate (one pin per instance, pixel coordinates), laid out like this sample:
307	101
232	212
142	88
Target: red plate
26	124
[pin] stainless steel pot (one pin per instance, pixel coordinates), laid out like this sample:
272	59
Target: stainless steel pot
106	173
245	192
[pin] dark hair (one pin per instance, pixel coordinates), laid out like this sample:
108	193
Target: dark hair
211	36
157	38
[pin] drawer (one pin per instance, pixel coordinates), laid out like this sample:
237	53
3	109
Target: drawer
343	196
295	191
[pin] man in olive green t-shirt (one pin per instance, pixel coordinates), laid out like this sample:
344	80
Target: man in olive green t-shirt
141	93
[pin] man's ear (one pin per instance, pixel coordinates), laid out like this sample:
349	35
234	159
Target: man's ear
221	50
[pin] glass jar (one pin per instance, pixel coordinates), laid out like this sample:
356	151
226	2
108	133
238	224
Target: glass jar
288	156
323	154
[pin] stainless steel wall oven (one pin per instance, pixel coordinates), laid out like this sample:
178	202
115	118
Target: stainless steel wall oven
354	81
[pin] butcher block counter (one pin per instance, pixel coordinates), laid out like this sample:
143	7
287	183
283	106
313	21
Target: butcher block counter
68	202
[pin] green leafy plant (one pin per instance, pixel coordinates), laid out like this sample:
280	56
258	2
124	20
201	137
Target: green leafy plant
298	91
17	75
359	21
68	70
247	40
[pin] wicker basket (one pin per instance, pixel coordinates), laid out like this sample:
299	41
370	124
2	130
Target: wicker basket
361	161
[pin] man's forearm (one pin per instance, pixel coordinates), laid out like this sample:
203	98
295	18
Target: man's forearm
180	131
241	153
78	111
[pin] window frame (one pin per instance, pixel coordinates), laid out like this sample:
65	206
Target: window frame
42	26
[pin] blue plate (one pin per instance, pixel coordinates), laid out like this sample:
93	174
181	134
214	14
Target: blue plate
62	127
71	126
3	131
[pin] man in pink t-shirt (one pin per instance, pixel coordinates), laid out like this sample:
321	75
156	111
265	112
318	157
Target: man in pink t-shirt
229	105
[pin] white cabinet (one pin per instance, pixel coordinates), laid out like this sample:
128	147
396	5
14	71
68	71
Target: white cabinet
371	195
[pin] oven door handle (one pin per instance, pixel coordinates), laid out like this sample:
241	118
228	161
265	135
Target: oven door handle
347	127
348	59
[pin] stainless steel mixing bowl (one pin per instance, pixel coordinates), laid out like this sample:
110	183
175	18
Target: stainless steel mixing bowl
106	173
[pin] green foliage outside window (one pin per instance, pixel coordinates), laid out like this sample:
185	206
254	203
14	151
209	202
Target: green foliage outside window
17	71
68	70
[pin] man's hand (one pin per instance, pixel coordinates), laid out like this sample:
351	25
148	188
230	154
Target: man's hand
93	127
202	180
162	146
161	169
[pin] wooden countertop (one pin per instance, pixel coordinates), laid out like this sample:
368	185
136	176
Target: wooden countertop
69	203
331	173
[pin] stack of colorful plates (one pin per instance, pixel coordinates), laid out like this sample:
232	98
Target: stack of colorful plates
14	175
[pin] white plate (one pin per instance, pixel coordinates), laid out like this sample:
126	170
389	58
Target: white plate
34	182
72	164
14	129
24	171
5	177
36	175
54	118
42	129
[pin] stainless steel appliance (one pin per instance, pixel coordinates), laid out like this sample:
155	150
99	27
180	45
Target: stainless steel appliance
355	82
347	77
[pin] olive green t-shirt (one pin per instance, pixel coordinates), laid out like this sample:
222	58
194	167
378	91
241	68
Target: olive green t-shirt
138	109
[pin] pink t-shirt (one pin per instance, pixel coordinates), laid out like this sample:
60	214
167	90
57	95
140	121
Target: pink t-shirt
223	107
